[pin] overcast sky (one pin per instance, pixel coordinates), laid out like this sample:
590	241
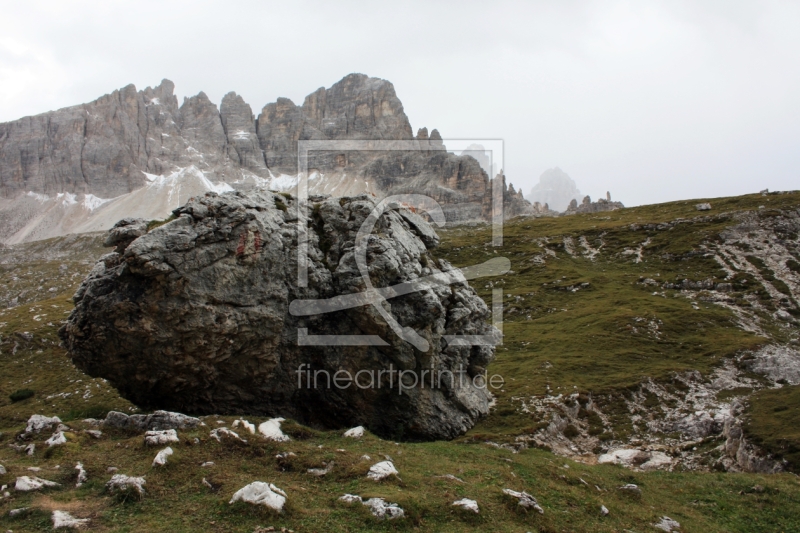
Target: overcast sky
654	101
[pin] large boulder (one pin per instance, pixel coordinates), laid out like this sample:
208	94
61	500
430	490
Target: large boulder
194	316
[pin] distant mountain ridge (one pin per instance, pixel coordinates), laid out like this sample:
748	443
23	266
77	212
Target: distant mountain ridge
61	169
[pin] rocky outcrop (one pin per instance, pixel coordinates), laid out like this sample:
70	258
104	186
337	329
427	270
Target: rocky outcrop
194	316
587	206
59	171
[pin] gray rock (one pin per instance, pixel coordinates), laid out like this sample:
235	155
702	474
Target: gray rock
125	140
205	306
157	421
125	232
703	207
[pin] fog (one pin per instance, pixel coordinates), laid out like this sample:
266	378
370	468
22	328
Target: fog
653	101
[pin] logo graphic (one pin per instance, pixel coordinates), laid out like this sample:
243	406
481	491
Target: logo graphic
377	296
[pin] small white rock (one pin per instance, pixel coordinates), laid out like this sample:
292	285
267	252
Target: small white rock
207	464
96	433
525	500
15	512
381	509
667	524
355	433
30	449
38	423
271	429
377	506
161	457
319	472
220	433
604	510
703	207
260	493
111	469
245	424
3	470
33	469
27	484
382	470
57	439
161	437
64	519
350	498
467	504
122	483
82	475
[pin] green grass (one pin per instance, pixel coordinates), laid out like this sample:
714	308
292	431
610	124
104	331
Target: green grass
598	341
773	422
176	499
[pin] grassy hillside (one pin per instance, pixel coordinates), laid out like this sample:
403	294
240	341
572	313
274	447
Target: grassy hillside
587	317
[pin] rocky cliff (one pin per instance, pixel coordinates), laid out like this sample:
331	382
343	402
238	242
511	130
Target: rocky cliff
129	139
195	316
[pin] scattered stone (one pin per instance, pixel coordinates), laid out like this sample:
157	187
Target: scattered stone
161	457
30	449
377	506
57	439
245	424
355	433
451	477
525	500
161	437
3	471
319	472
64	519
120	483
221	433
159	420
112	469
382	470
212	486
630	487
83	477
467	504
603	510
16	512
271	429
366	457
207	464
33	469
28	484
96	433
260	493
381	509
703	207
37	424
667	524
635	458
